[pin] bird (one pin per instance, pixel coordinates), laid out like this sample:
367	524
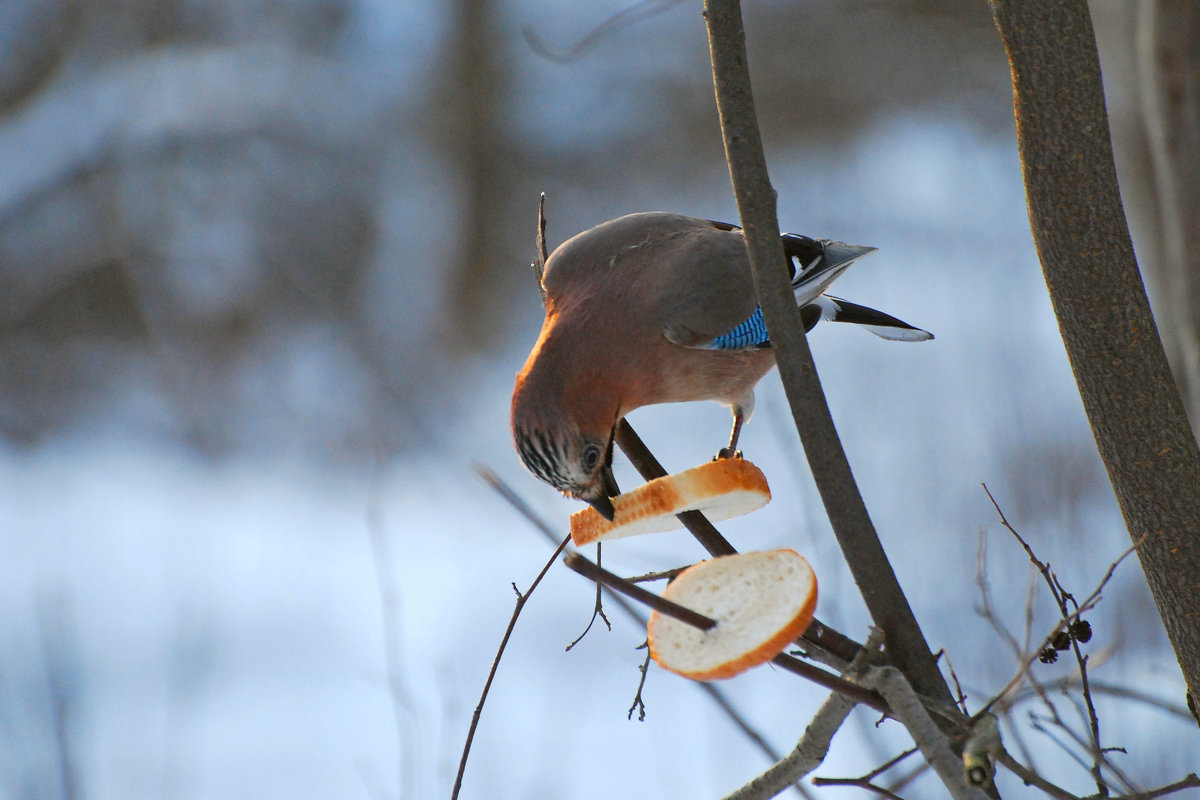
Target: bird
657	307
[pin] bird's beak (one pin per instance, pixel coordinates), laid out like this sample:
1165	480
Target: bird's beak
608	490
603	504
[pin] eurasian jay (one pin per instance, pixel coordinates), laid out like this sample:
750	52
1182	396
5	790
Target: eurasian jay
658	308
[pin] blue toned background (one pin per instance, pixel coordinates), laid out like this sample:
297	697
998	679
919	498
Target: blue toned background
264	286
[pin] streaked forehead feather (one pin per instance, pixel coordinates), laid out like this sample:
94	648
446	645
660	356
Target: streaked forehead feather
543	455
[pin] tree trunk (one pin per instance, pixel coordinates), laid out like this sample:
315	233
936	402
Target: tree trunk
1087	257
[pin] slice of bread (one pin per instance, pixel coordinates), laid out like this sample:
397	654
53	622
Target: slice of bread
725	488
761	601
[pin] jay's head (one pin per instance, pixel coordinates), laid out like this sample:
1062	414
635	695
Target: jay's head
569	447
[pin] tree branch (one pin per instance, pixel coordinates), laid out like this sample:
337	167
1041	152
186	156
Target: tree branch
662	605
487	685
847	512
715	694
908	708
813	746
807	755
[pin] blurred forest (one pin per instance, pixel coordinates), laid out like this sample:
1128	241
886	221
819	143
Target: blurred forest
298	231
234	222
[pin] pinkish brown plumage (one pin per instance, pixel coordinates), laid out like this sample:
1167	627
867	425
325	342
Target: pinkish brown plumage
656	308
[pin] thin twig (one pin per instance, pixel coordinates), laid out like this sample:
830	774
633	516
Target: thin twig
1065	602
910	709
985	596
597	609
57	639
592	571
1032	778
487	686
1084	744
639	705
622	19
901	783
1039	724
804	758
1016	733
586	568
714	693
810	752
1189	781
861	783
960	698
1087	605
660	575
1123	692
840	647
867	781
891	762
390	620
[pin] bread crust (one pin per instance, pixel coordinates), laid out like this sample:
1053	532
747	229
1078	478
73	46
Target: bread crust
762	601
725	488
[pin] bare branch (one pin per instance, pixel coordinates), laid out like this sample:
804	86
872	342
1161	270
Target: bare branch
959	698
862	783
586	568
622	19
908	708
1124	692
1031	778
825	644
806	756
814	744
1189	781
662	605
1062	599
487	686
714	693
844	505
1087	605
639	705
598	608
408	740
659	575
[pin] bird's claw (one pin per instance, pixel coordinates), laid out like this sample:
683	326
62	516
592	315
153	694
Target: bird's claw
725	452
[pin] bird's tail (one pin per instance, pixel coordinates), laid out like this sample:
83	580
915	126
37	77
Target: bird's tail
816	263
883	325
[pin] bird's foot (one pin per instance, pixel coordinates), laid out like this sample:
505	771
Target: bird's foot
725	452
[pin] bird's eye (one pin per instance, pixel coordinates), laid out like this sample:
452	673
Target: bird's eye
591	456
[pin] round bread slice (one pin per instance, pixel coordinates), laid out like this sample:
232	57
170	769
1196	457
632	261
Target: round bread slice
761	602
725	488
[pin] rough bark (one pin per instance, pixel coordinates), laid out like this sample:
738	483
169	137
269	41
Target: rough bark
1087	258
906	645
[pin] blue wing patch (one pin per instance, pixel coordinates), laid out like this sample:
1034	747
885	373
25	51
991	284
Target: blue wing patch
750	333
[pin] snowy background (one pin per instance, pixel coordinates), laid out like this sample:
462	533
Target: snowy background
264	287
